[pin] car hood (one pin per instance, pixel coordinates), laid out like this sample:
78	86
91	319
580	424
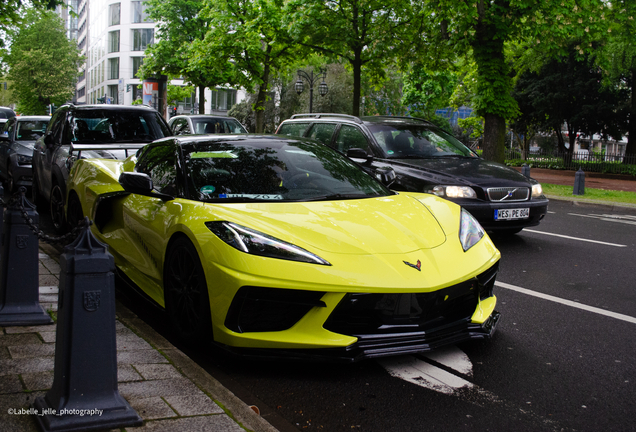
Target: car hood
394	224
468	171
24	147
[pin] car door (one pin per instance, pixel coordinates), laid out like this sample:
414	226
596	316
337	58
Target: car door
148	220
43	155
5	147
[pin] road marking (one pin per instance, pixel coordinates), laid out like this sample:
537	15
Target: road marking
625	219
424	374
574	238
570	303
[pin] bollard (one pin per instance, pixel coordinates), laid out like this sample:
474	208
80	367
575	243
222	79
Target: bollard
579	183
525	170
84	395
19	280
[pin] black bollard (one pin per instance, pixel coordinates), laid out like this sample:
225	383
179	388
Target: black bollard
19	280
525	170
579	183
84	395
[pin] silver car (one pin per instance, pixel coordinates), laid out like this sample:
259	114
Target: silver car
202	124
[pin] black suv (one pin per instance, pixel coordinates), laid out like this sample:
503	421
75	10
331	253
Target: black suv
424	158
104	131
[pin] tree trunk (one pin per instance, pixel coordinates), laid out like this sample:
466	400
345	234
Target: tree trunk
201	99
494	138
357	74
261	99
630	150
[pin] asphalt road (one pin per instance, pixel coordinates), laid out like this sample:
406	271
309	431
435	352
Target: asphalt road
562	358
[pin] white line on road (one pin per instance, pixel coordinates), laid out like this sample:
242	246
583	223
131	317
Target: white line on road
570	303
629	220
574	238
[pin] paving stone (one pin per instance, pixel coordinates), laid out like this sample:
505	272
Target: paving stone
152	408
30	329
169	387
48	337
16	401
140	357
20	339
49	289
193	405
25	351
51	266
4	353
158	371
49	306
48	280
25	365
216	423
127	373
131	344
38	380
10	384
48	298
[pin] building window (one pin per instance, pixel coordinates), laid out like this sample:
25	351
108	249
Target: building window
223	99
113	68
139	12
142	38
114	12
113	94
113	41
81	92
137	62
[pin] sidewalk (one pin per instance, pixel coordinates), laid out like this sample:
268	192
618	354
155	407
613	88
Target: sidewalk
168	390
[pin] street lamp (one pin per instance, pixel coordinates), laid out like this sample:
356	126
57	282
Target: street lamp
322	87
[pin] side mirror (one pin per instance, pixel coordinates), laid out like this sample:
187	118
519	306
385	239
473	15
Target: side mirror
140	184
358	153
386	175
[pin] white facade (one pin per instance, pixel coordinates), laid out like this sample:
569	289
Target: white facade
112	36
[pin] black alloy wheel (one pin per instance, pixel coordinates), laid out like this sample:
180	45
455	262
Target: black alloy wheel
186	293
57	208
74	212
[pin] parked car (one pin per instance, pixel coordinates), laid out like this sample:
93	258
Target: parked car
16	149
427	159
106	131
5	115
277	245
205	124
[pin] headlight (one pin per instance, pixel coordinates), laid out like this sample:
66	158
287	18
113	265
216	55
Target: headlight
470	231
24	160
256	243
537	191
454	192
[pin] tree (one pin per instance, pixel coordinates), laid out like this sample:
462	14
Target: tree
43	63
180	25
570	91
12	12
480	31
425	91
365	33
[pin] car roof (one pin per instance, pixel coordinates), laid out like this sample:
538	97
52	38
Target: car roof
109	107
262	139
202	116
33	117
345	118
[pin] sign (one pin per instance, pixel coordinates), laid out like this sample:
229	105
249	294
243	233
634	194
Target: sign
151	93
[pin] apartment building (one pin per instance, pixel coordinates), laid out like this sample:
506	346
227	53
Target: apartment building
112	36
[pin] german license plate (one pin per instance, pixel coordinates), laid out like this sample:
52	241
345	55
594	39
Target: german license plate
510	214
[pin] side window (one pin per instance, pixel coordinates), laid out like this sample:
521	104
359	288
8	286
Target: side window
9	128
160	163
351	137
293	129
55	126
178	125
322	132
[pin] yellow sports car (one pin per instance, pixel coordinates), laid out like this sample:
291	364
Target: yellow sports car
271	245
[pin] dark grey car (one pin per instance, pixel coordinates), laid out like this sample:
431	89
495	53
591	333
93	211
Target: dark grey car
85	131
427	159
16	149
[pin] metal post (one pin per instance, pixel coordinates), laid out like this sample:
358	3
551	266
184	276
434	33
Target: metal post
579	183
525	170
84	395
19	280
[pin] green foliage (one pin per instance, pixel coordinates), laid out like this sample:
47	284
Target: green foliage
177	93
12	13
426	91
473	124
43	63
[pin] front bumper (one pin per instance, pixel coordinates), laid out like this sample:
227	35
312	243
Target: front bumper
484	212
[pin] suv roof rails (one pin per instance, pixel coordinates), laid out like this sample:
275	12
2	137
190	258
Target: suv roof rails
403	118
321	115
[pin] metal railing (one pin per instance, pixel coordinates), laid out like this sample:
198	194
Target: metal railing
601	162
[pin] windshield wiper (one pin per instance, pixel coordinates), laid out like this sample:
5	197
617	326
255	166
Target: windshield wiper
337	197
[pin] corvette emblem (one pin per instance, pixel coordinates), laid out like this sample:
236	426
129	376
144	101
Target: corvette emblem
417	266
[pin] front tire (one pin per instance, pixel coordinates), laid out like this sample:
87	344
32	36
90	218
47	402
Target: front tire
36	197
74	213
186	293
57	208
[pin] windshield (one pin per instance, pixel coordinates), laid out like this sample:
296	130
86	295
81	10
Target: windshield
217	125
268	170
403	141
30	130
110	126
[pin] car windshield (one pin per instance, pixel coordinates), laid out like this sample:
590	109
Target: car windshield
30	130
217	125
407	141
271	170
115	126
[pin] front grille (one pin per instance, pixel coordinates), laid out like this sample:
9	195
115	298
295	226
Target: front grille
383	314
508	194
260	309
